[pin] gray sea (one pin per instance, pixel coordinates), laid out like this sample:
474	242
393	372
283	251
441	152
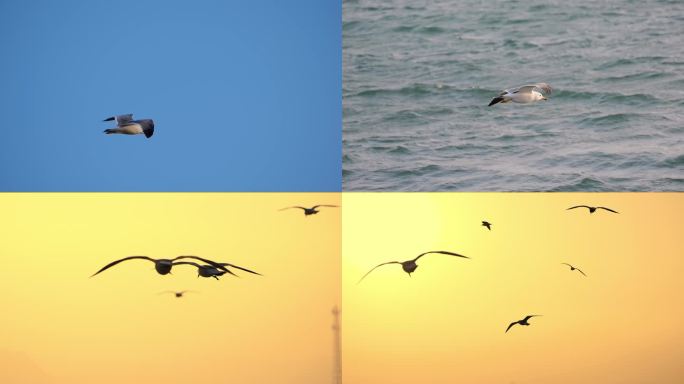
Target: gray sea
418	75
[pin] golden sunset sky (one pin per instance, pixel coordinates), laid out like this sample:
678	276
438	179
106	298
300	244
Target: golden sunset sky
58	325
446	323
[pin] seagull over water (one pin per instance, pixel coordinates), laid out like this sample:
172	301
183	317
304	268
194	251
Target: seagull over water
523	94
591	209
410	265
572	268
309	211
521	322
127	126
162	266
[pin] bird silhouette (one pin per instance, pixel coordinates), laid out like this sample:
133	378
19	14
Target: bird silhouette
212	271
127	126
162	266
410	265
178	294
487	224
592	209
310	211
572	268
521	322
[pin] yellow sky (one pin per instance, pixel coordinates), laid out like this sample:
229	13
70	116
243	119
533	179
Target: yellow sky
446	323
60	326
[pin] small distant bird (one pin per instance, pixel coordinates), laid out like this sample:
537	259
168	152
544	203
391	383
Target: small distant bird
162	266
521	322
574	268
212	271
178	294
127	126
591	209
487	224
310	211
410	265
523	94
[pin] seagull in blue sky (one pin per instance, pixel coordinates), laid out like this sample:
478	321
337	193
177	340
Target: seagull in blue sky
127	126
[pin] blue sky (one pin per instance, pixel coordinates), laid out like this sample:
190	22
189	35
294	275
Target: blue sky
245	95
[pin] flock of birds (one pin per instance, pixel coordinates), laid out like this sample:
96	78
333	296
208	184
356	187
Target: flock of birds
409	266
205	267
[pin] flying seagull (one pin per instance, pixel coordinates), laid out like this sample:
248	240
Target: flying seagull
574	268
521	322
178	294
410	265
523	94
310	211
213	270
163	266
127	126
487	224
592	209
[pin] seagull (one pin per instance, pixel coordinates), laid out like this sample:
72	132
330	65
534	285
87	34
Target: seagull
487	224
310	211
573	268
521	322
127	126
592	209
523	94
410	265
178	294
213	271
163	266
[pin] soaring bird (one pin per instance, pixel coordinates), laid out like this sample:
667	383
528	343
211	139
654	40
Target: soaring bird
591	209
310	211
523	94
178	294
574	268
214	271
410	265
163	266
487	224
521	322
127	126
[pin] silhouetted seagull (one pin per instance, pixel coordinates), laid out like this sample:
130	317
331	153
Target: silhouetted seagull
212	271
591	209
521	322
523	94
410	265
127	126
309	211
178	294
163	266
574	268
487	224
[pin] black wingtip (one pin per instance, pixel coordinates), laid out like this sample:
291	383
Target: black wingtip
149	132
108	131
109	118
495	101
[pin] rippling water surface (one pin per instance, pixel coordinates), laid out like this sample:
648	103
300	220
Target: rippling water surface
418	76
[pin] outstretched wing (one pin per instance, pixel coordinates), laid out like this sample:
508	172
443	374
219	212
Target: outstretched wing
113	263
580	271
212	263
294	206
379	265
243	269
528	317
510	325
442	252
579	206
608	209
568	265
539	87
121	119
324	205
186	263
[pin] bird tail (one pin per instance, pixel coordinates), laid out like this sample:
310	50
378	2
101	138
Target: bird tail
148	132
495	101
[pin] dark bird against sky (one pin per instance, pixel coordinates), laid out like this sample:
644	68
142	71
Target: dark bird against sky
410	265
572	268
592	209
521	322
178	294
162	266
310	211
487	224
127	126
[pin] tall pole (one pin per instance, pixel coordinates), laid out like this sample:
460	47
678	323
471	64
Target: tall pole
337	352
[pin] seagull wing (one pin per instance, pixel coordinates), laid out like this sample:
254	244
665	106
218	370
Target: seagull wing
212	263
442	252
186	263
580	271
379	265
121	119
568	265
243	269
294	206
539	87
113	263
510	325
528	317
579	206
608	209
324	205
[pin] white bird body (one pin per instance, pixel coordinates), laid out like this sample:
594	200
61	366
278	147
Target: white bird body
523	95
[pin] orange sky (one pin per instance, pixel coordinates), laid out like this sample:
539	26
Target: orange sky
60	326
446	323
